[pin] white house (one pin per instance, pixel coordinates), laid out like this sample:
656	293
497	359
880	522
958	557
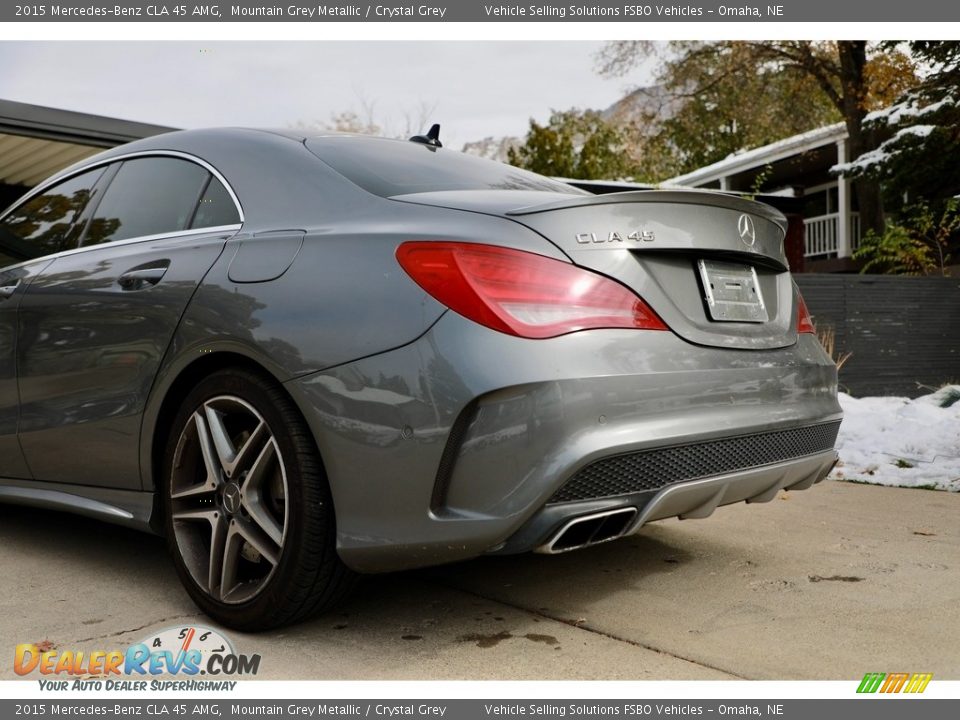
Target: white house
799	167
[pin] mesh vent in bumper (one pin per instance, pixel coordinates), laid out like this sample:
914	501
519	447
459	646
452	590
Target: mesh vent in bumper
654	469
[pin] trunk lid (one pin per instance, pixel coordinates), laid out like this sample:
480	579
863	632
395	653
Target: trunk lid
711	265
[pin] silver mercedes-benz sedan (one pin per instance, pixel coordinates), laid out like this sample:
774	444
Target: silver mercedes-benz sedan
301	357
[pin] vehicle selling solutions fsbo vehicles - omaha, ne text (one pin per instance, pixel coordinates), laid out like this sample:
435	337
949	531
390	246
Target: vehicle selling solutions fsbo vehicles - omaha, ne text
301	357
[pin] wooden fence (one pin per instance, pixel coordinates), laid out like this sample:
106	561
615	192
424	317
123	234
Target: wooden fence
903	332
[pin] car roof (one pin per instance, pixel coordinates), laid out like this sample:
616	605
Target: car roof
277	180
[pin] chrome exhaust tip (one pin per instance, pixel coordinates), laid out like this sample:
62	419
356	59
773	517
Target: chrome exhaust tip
588	530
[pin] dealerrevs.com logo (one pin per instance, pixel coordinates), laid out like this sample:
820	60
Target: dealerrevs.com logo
178	651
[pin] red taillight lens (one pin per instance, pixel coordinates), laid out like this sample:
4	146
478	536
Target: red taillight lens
520	293
804	322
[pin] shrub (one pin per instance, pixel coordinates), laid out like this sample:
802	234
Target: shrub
918	244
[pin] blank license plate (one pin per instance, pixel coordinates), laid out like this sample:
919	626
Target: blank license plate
732	292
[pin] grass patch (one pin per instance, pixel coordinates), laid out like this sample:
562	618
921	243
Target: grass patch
857	481
953	396
863	481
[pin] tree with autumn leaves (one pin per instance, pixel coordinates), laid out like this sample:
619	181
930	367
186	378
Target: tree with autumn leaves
733	95
576	144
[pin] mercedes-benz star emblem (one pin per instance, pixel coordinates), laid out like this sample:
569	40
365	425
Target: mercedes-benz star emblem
231	498
748	232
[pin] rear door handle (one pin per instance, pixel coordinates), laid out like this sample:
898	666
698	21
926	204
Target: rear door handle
8	290
141	277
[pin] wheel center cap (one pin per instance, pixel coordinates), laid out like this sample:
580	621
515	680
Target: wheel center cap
231	497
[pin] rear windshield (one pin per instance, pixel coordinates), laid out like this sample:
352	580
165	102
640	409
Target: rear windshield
390	167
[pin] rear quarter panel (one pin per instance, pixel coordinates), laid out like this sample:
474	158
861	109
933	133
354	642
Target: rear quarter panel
344	296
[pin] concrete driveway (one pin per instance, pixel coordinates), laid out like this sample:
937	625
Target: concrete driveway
824	584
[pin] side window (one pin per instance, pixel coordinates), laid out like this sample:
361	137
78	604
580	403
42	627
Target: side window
44	224
216	207
148	196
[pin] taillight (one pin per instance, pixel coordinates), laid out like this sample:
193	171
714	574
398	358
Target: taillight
804	322
521	293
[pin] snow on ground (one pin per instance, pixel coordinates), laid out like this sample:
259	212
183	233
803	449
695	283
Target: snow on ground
902	442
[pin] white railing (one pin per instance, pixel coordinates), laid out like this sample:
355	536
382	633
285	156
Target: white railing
821	236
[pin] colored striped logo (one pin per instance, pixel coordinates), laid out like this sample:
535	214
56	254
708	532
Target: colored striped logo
894	682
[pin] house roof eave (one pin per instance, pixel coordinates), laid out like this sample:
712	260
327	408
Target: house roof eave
766	154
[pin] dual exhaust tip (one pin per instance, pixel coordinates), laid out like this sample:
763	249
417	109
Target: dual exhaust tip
589	530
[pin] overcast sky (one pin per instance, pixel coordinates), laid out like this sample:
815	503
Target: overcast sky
476	89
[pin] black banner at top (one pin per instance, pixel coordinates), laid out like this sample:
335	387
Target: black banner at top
631	11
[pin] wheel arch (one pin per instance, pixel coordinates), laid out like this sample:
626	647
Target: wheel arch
166	399
307	574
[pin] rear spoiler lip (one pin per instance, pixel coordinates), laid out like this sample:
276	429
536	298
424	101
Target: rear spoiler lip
690	197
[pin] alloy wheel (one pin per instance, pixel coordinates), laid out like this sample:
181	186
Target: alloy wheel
229	499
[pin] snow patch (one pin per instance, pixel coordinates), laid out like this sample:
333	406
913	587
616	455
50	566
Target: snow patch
917	130
885	152
881	155
901	442
894	114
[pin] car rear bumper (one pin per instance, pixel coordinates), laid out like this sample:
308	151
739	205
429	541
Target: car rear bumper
468	441
563	527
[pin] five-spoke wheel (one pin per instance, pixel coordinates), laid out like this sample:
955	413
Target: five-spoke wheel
228	494
248	511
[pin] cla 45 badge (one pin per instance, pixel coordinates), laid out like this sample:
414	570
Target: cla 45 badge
615	237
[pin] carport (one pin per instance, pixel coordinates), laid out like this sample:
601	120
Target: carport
37	141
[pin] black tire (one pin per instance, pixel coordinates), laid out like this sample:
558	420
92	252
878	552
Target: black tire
300	576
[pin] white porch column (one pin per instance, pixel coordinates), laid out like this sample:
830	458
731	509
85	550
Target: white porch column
725	184
843	206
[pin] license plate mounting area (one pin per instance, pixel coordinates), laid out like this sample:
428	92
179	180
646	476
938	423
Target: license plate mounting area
732	292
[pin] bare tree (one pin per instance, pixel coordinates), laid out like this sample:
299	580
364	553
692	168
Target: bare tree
368	120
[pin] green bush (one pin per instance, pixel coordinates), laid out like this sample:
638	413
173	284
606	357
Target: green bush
919	242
